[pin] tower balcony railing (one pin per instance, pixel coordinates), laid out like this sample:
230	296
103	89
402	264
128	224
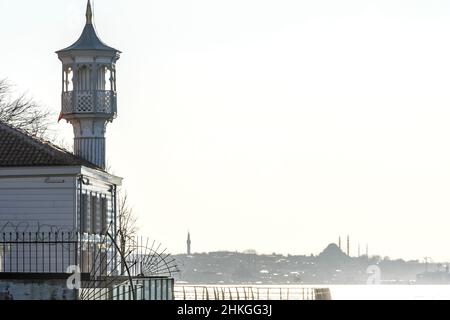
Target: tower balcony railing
89	101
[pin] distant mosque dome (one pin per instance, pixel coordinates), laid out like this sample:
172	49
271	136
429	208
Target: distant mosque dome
332	252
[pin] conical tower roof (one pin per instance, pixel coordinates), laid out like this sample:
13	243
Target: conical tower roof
89	39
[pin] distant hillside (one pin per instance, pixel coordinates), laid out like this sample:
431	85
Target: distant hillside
332	266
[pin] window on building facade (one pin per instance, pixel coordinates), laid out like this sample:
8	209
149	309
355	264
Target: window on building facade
94	215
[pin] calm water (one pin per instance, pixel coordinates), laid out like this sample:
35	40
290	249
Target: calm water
344	292
390	292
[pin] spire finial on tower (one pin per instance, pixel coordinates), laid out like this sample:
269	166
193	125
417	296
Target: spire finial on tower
89	13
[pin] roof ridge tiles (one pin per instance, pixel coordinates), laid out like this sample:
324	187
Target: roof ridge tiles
20	148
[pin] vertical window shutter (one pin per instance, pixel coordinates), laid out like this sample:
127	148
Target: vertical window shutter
85	214
92	214
98	215
104	220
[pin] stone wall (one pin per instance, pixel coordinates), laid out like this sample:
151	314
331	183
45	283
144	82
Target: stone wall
35	288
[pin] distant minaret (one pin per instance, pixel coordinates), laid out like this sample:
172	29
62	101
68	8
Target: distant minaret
367	250
348	246
340	242
359	250
188	242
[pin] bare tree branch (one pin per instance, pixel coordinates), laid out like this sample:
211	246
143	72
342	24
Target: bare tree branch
126	220
23	112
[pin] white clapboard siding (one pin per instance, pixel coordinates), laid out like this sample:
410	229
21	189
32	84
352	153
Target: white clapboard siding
32	202
35	196
36	211
42	193
35	183
37	203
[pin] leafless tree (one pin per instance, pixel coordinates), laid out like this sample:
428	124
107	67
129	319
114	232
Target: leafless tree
126	220
23	112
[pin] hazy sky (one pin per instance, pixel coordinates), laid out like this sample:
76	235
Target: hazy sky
271	125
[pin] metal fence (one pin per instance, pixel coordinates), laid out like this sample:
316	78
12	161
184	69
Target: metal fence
250	293
38	252
47	252
147	289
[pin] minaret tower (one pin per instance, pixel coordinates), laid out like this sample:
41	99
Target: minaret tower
89	97
348	246
188	242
